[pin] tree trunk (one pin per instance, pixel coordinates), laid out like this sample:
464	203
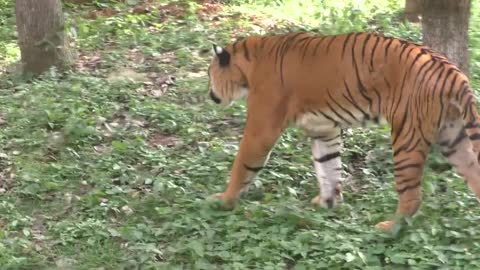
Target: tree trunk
413	9
41	35
445	29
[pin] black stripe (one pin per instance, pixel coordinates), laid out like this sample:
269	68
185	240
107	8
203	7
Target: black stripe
442	89
409	140
423	135
345	44
410	149
475	137
235	47
245	51
361	87
262	42
390	41
452	85
449	153
400	95
318	45
433	95
293	37
444	143
334	144
422	52
472	125
319	137
467	105
387	83
416	185
276	47
364	46
403	181
462	87
434	71
338	114
373	51
397	163
423	76
330	43
281	53
408	166
404	49
351	99
406	147
423	66
328	157
331	139
307	46
300	40
280	56
379	106
335	123
424	156
253	169
399	129
462	135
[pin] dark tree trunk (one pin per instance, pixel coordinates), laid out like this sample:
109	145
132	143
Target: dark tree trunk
41	35
445	29
413	9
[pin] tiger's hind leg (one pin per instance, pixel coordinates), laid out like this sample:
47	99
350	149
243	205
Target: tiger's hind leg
409	155
328	167
458	149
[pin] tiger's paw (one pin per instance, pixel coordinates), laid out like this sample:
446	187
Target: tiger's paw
386	226
330	202
326	203
226	202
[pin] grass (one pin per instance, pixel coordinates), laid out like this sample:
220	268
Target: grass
100	172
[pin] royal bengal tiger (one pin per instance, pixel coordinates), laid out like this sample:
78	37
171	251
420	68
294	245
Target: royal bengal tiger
325	83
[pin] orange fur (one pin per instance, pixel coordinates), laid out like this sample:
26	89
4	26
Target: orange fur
324	84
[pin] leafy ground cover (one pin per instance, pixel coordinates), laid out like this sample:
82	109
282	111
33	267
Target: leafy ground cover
108	166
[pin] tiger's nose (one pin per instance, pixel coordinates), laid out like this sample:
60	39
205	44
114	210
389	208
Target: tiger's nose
215	98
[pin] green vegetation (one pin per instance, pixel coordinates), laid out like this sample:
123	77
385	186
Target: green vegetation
108	166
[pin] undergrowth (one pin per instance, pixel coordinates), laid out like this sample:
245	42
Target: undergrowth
109	165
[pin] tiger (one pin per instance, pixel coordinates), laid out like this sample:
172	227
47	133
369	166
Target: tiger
324	84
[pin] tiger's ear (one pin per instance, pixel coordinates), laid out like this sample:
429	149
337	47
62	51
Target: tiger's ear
222	54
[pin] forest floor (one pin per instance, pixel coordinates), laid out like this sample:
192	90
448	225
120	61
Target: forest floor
108	166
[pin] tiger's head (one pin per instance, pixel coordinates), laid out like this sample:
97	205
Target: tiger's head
227	81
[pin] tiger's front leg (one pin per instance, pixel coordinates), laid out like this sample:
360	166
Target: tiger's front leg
252	156
264	126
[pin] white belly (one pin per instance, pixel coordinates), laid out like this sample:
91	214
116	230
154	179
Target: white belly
314	124
317	123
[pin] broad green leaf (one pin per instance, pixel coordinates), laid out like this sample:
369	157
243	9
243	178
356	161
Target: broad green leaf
197	247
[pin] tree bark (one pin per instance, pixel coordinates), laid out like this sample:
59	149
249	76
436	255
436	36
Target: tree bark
413	9
41	35
445	29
